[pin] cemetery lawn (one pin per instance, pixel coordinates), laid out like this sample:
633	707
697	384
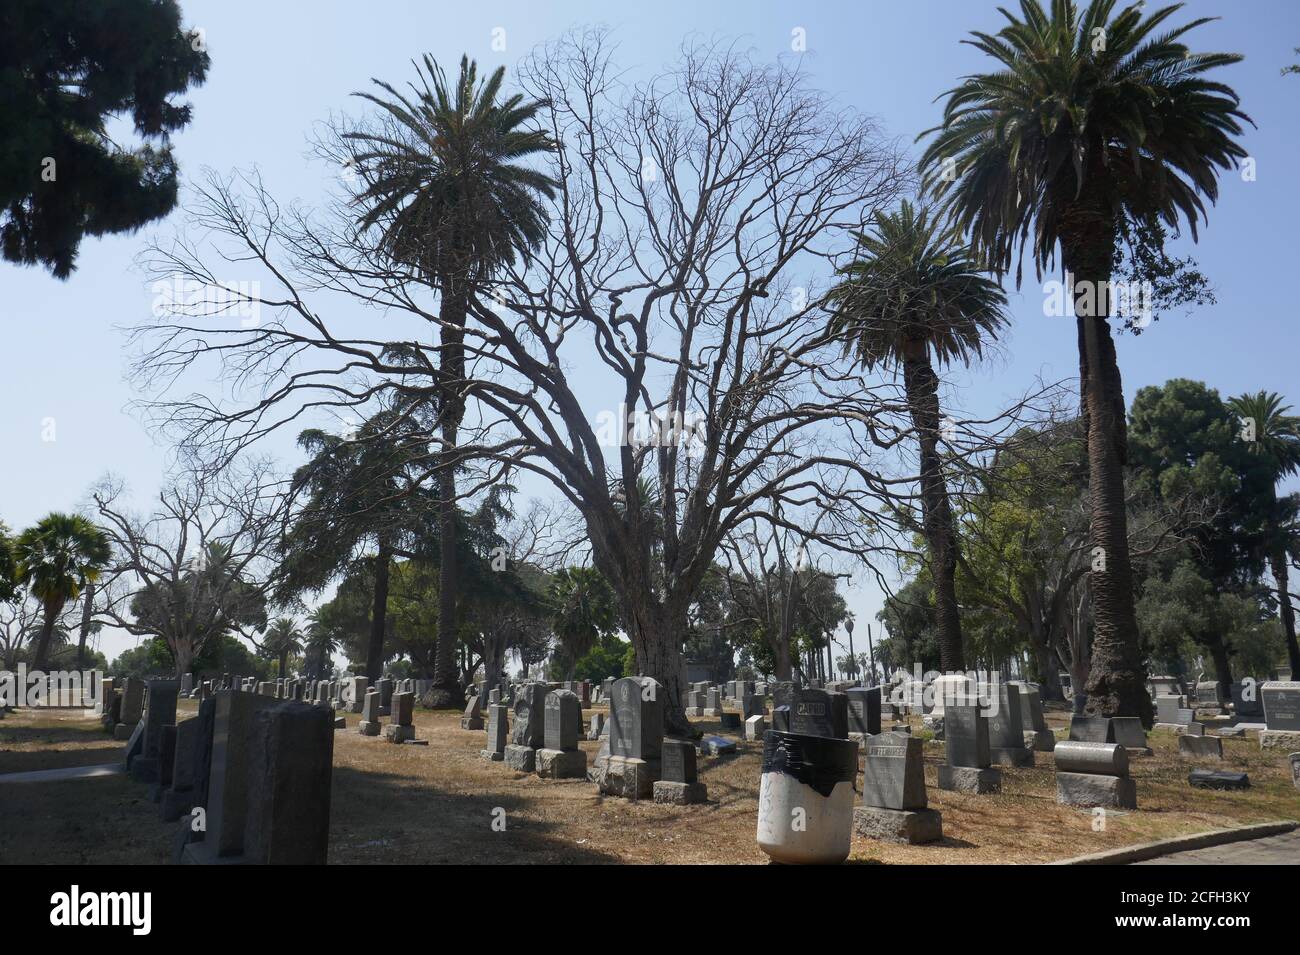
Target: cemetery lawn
437	803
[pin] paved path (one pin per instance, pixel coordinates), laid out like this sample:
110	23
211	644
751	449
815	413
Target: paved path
70	772
1271	850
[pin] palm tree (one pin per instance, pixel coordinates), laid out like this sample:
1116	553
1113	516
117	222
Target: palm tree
321	644
915	292
445	186
1273	437
56	559
1094	122
583	608
355	497
282	638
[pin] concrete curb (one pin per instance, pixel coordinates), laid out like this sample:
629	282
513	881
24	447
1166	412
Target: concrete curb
1202	840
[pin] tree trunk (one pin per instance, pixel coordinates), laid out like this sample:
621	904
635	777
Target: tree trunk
42	654
1222	669
87	611
1049	679
1117	681
183	655
446	688
657	634
283	662
378	614
922	386
1280	574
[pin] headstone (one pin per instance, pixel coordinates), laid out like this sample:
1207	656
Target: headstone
1246	702
132	701
755	727
529	727
160	711
1295	769
679	783
498	732
1090	729
354	694
1006	728
1094	774
562	718
1282	705
966	739
966	736
597	726
1128	732
816	712
291	756
751	704
187	684
387	686
894	773
370	709
178	798
401	726
863	711
228	781
472	717
1171	713
636	718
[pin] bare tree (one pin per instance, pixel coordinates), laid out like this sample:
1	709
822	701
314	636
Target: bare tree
681	288
200	563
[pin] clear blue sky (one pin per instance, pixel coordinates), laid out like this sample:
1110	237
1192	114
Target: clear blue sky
277	68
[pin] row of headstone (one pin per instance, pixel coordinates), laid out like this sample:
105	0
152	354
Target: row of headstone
260	770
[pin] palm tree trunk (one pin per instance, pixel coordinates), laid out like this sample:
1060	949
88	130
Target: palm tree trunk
282	663
922	386
1117	678
1280	574
452	310
41	656
87	609
378	614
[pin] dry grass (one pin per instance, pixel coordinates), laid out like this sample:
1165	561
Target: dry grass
437	803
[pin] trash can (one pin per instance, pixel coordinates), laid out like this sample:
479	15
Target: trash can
805	798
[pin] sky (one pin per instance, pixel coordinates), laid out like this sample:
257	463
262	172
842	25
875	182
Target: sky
280	68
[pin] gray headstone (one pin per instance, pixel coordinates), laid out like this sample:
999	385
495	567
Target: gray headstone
1090	729
1282	705
530	705
816	712
291	757
562	720
966	736
1170	709
132	700
636	718
864	711
498	727
1006	724
402	709
227	797
679	761
160	711
370	707
894	772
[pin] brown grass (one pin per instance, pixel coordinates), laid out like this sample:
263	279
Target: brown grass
437	803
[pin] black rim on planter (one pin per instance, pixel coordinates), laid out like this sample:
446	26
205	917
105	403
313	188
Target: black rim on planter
817	761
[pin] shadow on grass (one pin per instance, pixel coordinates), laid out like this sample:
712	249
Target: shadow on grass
381	817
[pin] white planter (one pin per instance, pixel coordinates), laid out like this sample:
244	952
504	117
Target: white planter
798	825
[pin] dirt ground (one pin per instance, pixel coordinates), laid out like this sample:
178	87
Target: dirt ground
438	803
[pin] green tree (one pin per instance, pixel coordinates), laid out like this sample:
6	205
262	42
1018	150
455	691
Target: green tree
583	609
283	638
915	298
446	184
355	494
1097	119
56	559
206	601
1273	439
67	69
